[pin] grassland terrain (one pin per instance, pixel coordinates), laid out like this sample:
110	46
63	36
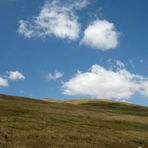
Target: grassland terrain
30	123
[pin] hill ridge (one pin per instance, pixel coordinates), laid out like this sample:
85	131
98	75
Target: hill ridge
31	123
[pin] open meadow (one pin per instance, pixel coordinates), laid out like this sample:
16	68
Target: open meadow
28	123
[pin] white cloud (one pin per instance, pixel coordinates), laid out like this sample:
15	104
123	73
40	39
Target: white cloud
115	64
55	76
23	29
15	75
79	4
3	82
55	19
144	89
101	34
103	83
120	64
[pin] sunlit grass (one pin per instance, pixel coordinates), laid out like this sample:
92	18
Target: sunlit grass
27	123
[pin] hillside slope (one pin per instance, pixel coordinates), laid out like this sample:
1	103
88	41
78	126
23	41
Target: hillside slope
28	123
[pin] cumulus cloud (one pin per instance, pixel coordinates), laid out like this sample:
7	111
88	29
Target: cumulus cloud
101	34
55	18
100	82
3	82
15	75
55	76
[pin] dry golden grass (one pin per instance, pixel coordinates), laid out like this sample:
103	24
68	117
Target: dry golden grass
28	123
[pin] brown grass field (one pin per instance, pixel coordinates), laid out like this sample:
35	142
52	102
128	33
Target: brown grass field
29	123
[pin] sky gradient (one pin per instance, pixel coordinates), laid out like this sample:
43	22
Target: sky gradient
69	50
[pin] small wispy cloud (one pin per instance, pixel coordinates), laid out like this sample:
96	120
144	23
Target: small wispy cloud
11	75
15	75
115	64
3	82
120	64
101	35
54	76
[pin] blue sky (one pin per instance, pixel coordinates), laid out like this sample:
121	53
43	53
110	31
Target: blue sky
66	50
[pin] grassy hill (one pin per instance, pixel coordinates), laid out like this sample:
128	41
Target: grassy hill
29	123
